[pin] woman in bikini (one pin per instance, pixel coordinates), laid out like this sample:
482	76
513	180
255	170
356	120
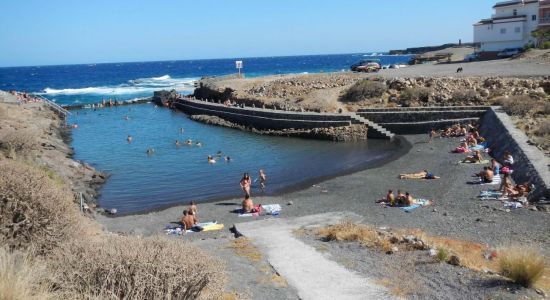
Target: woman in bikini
476	158
246	182
420	175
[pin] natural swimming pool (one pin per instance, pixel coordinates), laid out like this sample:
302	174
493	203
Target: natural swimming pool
177	174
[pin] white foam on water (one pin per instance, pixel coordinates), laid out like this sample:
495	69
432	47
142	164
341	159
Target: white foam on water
135	86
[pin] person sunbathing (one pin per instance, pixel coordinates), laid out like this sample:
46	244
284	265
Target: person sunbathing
420	175
401	199
463	148
248	205
476	158
506	185
188	221
472	142
409	200
486	175
390	198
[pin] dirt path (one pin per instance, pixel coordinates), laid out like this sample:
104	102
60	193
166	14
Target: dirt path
312	274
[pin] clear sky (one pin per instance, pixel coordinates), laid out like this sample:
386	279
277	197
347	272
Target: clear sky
43	32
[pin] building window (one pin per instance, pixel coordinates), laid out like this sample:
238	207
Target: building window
503	31
515	12
533	17
517	29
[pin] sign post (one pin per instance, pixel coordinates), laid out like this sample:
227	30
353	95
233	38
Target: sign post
239	65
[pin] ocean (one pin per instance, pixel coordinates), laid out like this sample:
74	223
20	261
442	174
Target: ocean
175	175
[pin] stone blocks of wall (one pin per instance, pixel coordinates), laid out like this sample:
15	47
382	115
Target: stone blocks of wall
530	164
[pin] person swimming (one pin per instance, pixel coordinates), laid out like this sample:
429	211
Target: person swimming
126	118
182	130
129	138
211	160
189	142
262	179
199	144
227	159
150	151
178	143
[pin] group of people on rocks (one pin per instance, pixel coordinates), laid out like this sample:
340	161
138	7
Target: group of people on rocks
25	97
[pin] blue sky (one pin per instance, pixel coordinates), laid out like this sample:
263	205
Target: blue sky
38	32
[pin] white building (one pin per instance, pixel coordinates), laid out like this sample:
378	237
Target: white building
510	26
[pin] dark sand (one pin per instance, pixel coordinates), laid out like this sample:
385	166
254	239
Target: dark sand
458	212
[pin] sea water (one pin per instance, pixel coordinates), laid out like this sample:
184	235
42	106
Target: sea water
176	175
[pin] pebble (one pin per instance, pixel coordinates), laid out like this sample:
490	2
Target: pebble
454	260
290	203
432	252
434	210
445	214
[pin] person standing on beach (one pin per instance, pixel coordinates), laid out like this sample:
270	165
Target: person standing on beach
262	179
246	182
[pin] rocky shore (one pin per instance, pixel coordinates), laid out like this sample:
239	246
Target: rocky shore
45	138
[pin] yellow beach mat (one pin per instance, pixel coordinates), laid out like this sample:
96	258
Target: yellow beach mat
213	227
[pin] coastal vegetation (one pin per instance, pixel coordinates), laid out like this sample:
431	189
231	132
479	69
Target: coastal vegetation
363	90
524	266
49	250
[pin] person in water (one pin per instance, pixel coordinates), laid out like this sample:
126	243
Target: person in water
182	130
189	142
248	205
150	151
227	159
420	175
178	143
262	179
199	144
211	160
246	183
129	138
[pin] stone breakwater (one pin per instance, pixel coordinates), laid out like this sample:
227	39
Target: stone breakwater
350	133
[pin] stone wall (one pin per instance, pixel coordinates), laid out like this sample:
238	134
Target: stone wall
417	120
530	164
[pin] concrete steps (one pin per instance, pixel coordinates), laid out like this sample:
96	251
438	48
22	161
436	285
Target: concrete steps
379	131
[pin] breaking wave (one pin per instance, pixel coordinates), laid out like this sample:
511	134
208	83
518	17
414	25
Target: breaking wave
135	86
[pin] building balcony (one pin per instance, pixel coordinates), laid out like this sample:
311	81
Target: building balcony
544	21
544	3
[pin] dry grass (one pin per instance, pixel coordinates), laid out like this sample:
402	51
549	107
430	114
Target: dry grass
34	211
349	232
415	94
20	277
19	142
523	265
470	253
244	248
117	267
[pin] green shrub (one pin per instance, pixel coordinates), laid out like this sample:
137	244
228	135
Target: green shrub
416	94
517	105
442	255
465	96
364	89
546	45
131	267
524	266
35	212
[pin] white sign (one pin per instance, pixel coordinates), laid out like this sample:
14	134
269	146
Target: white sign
239	64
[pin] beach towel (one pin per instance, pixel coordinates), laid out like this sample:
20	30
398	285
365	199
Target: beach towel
256	213
496	181
490	194
508	204
480	147
213	227
417	203
485	161
272	209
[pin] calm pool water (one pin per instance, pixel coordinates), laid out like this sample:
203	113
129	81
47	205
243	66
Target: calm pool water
175	175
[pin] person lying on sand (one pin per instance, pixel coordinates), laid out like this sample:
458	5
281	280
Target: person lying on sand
188	221
248	205
486	175
477	157
420	175
463	148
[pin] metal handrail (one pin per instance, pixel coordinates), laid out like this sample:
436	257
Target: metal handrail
54	105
